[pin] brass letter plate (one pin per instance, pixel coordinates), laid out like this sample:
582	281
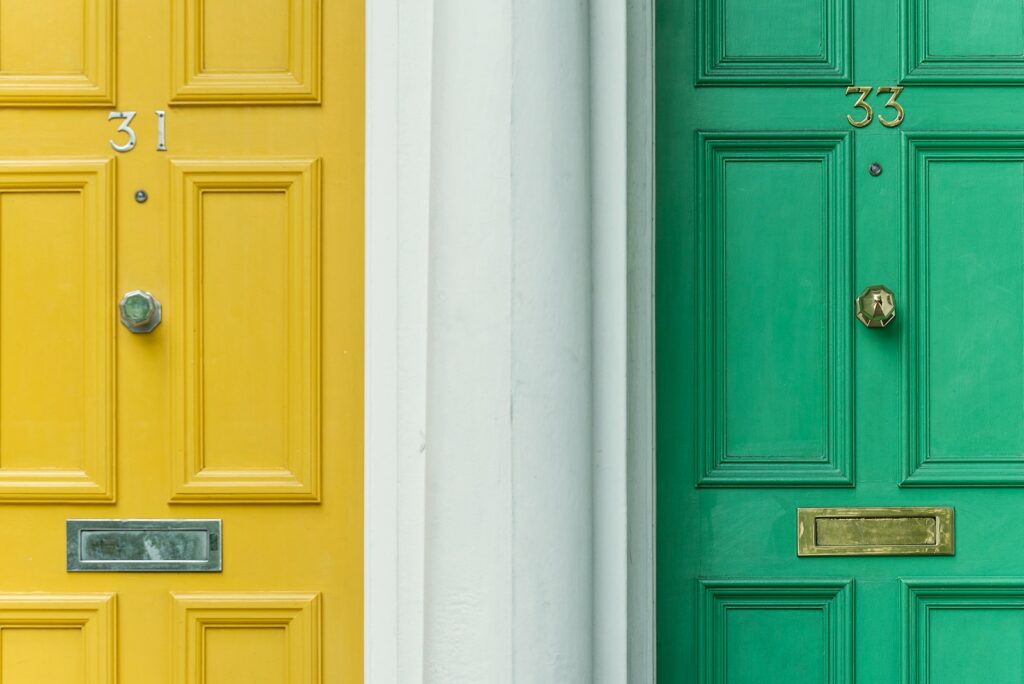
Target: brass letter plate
874	532
144	545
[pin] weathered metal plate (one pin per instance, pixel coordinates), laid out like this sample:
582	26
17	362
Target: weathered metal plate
875	532
144	545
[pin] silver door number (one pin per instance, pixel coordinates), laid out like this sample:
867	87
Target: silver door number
161	131
126	128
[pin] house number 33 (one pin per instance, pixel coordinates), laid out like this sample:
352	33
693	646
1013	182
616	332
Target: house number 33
869	113
130	138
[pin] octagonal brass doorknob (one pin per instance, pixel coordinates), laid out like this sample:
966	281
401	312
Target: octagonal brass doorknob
140	311
876	306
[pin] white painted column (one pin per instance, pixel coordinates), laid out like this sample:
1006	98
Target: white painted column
508	574
608	169
398	95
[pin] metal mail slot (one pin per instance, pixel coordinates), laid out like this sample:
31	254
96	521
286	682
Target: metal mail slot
144	545
875	532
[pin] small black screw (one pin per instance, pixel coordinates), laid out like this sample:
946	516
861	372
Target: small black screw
875	169
141	196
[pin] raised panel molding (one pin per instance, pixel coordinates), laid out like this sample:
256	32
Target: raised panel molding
828	604
930	651
921	466
777	49
830	463
71	638
38	461
195	80
217	635
243	468
936	45
26	79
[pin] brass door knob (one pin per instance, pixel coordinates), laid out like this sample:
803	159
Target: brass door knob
140	311
876	306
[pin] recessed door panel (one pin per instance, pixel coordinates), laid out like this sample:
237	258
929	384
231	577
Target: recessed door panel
775	396
58	638
271	638
268	53
790	41
62	57
246	271
963	41
56	366
965	394
954	630
793	631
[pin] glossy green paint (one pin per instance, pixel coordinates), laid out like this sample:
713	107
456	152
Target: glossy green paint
772	397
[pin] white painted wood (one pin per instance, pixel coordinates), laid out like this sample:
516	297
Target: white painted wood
508	552
380	472
414	87
622	89
609	228
509	156
640	89
397	222
468	556
552	343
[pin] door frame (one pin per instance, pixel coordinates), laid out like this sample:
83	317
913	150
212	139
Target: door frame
397	175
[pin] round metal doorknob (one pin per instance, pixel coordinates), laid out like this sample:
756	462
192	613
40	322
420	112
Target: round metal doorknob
140	311
876	306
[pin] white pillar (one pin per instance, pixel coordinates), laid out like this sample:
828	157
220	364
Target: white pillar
610	291
508	520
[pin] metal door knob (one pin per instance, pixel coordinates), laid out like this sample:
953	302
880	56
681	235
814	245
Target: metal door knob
140	311
876	306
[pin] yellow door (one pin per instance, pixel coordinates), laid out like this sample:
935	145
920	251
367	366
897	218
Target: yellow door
241	410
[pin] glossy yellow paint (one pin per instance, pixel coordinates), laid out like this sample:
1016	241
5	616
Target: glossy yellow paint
245	404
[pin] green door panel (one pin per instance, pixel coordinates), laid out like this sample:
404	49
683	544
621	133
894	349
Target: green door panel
966	294
964	631
784	41
756	631
772	397
963	41
774	379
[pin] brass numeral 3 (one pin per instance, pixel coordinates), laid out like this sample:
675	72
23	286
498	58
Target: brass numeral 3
862	103
895	90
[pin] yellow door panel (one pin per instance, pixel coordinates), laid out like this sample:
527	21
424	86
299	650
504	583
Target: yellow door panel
59	55
244	404
57	638
245	273
268	53
56	334
254	638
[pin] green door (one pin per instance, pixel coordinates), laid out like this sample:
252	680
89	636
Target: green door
774	212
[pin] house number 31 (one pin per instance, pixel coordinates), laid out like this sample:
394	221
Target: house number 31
869	113
126	127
